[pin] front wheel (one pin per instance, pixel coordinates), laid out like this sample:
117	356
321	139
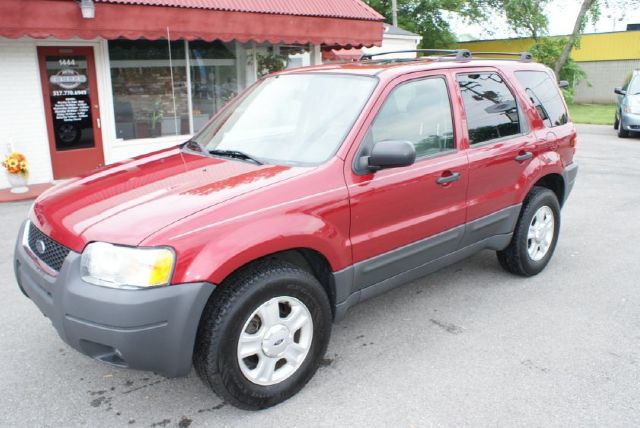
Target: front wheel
622	133
263	335
535	236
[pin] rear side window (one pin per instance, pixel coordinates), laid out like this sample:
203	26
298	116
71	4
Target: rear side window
490	107
545	95
418	111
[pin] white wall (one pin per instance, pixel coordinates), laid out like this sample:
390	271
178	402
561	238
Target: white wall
602	78
22	120
395	43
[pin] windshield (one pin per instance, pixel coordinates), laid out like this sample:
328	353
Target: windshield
634	86
298	119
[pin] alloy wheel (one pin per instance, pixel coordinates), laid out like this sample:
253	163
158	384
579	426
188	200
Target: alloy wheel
275	340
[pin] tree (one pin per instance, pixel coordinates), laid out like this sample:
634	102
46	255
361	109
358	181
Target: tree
578	27
525	17
428	17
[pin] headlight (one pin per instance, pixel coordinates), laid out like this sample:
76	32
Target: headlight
126	267
632	106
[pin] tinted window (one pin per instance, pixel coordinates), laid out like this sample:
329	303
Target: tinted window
491	109
418	112
545	95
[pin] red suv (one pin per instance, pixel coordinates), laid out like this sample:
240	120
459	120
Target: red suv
315	189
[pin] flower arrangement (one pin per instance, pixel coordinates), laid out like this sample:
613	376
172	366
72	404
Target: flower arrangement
16	163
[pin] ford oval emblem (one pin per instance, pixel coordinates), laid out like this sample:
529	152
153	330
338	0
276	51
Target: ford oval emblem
40	246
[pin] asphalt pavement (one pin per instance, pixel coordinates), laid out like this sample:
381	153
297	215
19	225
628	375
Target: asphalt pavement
468	345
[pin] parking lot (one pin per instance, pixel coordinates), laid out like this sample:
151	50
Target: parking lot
469	345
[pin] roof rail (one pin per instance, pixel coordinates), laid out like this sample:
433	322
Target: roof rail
523	56
458	53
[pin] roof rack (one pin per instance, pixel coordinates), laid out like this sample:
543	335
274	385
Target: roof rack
523	56
457	54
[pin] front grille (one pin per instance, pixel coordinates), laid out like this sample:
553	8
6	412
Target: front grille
53	254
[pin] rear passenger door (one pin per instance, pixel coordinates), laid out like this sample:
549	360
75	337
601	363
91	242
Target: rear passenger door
404	217
500	148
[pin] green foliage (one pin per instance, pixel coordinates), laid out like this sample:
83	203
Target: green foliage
427	17
526	17
547	50
270	63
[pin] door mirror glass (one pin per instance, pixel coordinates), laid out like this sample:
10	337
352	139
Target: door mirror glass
620	91
391	154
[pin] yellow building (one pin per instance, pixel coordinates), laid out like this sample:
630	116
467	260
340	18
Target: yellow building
607	58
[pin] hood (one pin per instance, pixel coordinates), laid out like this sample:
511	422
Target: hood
126	202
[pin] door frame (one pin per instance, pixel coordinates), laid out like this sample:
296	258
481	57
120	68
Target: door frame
94	97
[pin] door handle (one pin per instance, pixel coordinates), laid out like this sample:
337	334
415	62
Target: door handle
524	156
446	179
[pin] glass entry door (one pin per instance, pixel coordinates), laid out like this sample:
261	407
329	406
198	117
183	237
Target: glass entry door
71	107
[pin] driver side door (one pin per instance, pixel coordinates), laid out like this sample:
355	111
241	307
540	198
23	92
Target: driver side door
405	217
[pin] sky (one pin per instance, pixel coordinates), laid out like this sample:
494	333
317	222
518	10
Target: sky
562	15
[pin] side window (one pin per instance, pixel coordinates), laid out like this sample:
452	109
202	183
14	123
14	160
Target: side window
419	112
545	95
491	109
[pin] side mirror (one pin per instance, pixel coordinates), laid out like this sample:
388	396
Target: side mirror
391	154
563	84
620	91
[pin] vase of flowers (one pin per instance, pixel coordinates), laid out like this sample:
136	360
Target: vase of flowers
17	169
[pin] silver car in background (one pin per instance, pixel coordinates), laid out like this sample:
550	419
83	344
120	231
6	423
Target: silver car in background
628	109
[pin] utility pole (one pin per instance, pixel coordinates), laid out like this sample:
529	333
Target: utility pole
394	12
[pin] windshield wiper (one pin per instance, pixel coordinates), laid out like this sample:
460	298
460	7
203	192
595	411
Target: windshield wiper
236	154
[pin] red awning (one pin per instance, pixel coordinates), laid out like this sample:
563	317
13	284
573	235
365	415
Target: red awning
345	23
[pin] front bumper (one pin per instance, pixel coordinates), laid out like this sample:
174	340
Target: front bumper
630	122
152	329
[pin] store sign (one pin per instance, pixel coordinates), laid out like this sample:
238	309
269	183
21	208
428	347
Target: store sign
70	103
68	79
71	110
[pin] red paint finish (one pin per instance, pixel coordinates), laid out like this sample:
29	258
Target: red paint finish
219	215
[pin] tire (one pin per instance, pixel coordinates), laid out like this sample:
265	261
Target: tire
232	311
517	258
622	133
616	122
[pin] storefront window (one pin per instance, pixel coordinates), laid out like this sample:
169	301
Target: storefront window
296	55
214	78
150	97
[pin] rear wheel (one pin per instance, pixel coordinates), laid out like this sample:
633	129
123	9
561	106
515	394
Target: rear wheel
263	334
535	236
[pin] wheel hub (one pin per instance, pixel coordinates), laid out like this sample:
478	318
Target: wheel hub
276	340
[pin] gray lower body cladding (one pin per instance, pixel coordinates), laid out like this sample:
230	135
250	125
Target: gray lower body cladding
150	329
379	274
